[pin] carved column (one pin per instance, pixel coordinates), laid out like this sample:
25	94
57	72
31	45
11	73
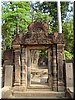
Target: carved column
49	68
17	67
28	67
54	69
24	67
60	58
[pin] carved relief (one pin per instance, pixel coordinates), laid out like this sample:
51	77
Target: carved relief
38	34
39	27
24	66
58	37
60	60
17	67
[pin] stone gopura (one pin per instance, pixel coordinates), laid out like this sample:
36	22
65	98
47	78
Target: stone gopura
38	38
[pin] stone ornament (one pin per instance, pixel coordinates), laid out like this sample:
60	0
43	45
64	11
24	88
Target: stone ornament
38	33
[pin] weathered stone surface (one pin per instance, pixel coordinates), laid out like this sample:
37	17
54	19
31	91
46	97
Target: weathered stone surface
69	74
60	58
17	39
38	33
17	68
8	75
8	57
43	94
49	68
24	68
58	37
39	27
38	38
54	69
6	92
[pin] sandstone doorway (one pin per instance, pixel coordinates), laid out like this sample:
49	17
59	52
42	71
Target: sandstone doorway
38	38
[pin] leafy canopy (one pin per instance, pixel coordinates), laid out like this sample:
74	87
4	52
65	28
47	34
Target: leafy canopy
14	14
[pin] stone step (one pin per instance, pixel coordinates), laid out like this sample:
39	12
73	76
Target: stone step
39	87
37	94
35	89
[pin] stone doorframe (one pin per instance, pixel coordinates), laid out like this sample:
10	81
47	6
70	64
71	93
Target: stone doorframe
22	65
36	36
39	47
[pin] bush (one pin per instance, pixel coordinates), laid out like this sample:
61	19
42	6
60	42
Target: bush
68	55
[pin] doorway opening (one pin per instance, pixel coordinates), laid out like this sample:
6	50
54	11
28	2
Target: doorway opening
39	67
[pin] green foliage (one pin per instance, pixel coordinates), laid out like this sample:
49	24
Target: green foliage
69	36
14	14
68	56
39	16
50	8
43	54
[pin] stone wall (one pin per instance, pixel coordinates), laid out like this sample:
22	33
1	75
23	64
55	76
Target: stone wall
69	73
7	72
8	57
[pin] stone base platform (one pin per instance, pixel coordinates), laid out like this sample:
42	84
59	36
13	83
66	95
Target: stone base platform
37	94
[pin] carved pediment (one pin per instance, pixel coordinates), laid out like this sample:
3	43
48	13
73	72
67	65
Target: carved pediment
38	34
39	27
36	39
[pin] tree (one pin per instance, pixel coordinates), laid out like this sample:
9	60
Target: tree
68	55
50	8
69	37
14	14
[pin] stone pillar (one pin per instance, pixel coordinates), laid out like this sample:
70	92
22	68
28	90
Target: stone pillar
24	67
54	69
69	74
8	79
60	58
28	68
17	67
49	68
